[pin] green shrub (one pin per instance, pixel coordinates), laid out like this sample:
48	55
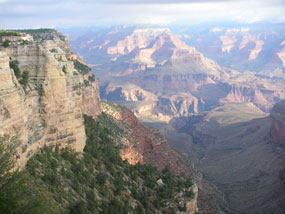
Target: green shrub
86	83
24	42
7	160
91	78
83	69
101	178
79	207
25	79
8	33
14	64
6	43
64	69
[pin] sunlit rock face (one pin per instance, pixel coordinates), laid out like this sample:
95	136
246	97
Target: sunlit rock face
48	111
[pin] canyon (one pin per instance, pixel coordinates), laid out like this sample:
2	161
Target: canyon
44	92
239	150
215	93
160	76
227	121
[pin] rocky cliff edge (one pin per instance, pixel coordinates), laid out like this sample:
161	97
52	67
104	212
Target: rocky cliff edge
44	91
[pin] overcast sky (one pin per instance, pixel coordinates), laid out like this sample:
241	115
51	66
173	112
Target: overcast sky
16	14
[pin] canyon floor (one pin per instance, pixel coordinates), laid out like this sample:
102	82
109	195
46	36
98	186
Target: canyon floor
232	147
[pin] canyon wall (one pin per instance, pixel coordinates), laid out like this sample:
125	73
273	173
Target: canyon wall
48	109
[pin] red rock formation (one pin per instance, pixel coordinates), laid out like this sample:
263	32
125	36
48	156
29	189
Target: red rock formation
261	97
145	144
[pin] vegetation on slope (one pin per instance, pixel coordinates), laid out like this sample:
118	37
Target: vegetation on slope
35	31
43	34
97	181
7	33
23	77
83	69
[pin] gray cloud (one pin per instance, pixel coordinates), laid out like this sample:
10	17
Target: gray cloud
67	13
162	1
30	1
267	2
45	2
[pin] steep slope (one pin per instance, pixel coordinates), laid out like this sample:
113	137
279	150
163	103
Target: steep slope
94	181
45	107
158	76
144	144
234	151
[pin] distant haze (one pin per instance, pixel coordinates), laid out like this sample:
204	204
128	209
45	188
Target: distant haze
16	14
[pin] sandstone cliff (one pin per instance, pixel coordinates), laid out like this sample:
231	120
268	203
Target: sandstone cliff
48	109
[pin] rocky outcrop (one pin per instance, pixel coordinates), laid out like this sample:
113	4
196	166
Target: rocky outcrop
139	38
278	123
48	109
127	92
144	144
263	97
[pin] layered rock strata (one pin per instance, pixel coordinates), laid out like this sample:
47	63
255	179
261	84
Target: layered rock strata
48	110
